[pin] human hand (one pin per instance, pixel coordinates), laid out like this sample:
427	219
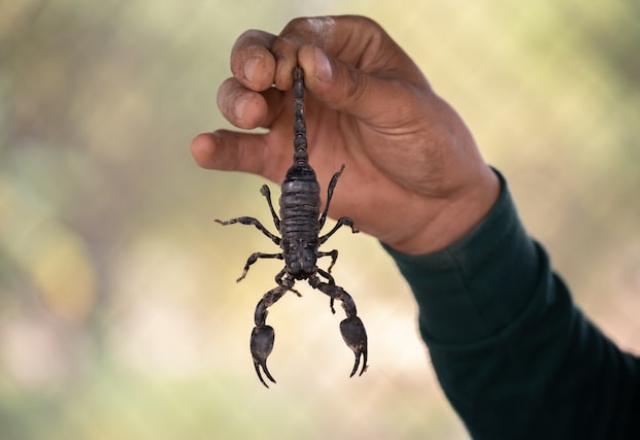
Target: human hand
414	177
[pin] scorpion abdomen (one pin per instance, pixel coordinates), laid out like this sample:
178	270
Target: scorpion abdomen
300	203
299	210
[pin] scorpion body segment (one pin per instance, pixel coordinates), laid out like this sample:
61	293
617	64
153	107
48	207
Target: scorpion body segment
299	224
299	210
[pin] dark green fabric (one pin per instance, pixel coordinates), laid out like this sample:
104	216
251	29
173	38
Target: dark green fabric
515	357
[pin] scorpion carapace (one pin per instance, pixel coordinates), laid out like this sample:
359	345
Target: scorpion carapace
300	223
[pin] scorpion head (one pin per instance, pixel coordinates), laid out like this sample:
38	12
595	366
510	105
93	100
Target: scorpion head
300	258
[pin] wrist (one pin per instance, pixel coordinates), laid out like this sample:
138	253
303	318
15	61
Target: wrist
455	217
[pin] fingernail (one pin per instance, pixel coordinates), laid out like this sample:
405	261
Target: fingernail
250	68
323	69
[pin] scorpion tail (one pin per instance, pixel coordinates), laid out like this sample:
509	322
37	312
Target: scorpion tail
300	155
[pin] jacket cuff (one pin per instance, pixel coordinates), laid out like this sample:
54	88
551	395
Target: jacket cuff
475	287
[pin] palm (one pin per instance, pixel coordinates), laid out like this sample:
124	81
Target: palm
373	158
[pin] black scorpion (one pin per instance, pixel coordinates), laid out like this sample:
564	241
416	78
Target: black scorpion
300	225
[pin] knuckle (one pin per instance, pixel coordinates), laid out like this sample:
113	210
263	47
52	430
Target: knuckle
366	22
312	30
362	23
284	51
356	86
283	46
247	156
297	24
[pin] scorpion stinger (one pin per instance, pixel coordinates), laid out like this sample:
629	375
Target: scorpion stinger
299	225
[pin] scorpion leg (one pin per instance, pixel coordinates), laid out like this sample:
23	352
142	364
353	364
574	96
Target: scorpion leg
342	221
262	335
331	282
251	221
334	256
252	259
265	192
332	186
352	328
287	282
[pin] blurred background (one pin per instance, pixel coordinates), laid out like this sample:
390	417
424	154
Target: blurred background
120	317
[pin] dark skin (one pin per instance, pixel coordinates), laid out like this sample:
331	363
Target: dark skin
414	177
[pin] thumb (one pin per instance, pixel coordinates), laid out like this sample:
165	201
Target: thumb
231	151
345	88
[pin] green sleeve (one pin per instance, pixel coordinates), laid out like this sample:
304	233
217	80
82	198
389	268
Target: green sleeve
515	357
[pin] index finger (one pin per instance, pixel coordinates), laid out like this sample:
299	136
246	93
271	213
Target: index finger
252	62
357	41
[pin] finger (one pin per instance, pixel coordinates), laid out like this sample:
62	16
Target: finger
251	60
285	51
368	97
230	151
354	40
247	109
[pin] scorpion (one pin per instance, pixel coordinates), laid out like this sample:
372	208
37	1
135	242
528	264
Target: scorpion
300	223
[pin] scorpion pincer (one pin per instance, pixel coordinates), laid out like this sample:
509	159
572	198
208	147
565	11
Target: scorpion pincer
300	224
